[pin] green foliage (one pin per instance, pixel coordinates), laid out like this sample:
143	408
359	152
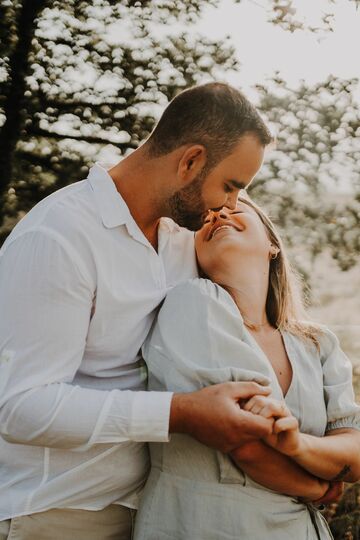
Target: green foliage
317	152
90	82
78	78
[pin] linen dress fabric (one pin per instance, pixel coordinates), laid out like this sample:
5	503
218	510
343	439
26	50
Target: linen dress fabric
195	492
79	289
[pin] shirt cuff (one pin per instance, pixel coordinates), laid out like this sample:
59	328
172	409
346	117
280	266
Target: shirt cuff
150	415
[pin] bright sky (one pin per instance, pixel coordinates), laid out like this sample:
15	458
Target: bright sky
264	48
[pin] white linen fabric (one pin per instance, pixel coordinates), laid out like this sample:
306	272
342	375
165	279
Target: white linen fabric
79	289
199	338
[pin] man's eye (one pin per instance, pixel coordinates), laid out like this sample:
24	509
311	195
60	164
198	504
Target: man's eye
206	221
227	188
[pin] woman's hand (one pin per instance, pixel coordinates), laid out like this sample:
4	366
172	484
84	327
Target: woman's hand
285	437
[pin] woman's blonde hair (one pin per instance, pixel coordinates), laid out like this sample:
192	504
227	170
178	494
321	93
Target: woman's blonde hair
284	304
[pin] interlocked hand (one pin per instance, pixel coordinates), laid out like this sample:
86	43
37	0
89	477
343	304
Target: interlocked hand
285	436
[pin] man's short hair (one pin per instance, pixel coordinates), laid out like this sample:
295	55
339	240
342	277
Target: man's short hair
215	115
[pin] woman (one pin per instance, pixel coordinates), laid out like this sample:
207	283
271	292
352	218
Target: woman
247	324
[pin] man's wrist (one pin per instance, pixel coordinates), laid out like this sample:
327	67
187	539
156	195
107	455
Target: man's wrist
179	410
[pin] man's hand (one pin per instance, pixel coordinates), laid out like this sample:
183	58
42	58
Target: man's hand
333	494
213	415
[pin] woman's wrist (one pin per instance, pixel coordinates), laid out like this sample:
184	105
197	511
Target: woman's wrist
296	452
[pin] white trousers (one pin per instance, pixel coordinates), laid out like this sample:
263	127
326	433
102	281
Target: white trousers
112	523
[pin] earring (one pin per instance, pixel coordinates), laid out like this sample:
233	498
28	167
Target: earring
274	252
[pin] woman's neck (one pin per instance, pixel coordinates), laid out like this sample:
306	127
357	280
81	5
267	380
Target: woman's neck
249	291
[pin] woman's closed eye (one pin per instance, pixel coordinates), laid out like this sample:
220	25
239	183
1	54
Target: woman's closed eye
228	189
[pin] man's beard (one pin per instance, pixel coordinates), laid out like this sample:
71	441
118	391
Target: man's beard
187	206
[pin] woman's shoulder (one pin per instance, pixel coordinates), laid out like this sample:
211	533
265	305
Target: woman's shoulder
200	290
322	343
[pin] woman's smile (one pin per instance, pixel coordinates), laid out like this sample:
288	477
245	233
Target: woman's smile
216	230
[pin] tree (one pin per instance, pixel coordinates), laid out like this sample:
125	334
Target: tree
71	85
285	14
79	76
317	150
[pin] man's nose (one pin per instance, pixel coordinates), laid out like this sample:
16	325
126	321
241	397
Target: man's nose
231	201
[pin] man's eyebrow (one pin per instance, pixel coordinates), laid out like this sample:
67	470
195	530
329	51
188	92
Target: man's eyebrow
238	185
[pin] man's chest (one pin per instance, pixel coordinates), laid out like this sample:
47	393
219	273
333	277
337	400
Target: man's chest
132	279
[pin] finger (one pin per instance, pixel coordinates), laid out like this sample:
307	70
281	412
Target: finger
257	408
274	410
262	409
288	423
282	410
256	401
256	426
252	402
266	407
243	390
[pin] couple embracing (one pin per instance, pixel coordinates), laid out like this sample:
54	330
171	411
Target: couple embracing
247	406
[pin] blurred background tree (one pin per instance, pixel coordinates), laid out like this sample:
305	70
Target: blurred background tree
80	77
72	81
317	156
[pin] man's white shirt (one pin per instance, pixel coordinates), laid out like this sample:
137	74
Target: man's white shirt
79	289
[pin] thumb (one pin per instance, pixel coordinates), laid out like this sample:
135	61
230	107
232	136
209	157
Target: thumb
285	424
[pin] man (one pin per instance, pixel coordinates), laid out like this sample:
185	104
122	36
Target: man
81	277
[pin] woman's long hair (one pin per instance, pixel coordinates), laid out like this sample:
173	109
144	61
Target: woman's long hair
284	304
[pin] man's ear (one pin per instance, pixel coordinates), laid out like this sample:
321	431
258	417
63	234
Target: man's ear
191	162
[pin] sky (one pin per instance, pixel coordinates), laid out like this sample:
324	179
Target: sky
263	48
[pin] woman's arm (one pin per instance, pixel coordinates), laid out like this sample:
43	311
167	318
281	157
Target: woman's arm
278	472
333	457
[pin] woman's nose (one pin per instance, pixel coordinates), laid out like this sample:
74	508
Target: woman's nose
221	214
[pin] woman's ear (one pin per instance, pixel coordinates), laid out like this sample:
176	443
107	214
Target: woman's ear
191	163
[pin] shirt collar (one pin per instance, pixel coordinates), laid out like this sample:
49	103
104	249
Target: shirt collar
113	209
169	224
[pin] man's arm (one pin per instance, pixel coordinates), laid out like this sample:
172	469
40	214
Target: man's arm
46	298
214	417
275	471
